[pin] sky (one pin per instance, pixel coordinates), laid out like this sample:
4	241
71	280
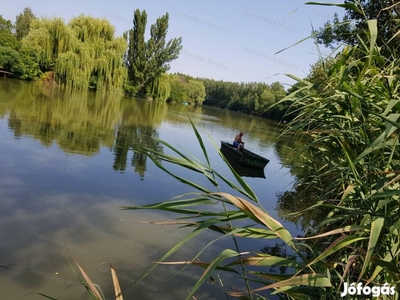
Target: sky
222	40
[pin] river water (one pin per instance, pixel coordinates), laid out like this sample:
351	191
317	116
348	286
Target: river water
66	164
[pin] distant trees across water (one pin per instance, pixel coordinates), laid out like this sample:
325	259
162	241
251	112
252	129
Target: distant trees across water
85	54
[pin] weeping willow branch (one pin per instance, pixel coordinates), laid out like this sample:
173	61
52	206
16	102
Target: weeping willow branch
83	53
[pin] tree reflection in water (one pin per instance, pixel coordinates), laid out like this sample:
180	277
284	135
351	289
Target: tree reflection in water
82	122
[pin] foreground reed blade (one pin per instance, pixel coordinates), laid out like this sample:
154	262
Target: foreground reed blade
93	290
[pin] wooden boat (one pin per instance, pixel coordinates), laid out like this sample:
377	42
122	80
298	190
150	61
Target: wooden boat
240	169
244	157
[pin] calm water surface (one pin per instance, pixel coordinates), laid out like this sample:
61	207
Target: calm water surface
66	164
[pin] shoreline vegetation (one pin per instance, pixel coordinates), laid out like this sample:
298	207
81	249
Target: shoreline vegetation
84	54
346	115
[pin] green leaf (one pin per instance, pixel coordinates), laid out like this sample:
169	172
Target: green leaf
392	103
373	30
255	233
338	244
227	253
376	228
43	295
381	263
349	6
265	260
390	266
200	140
336	231
313	280
261	217
299	42
181	179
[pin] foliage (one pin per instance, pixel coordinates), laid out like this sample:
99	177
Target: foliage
48	38
7	37
351	125
355	23
22	64
83	53
317	75
253	97
23	23
146	61
186	89
178	91
196	91
161	87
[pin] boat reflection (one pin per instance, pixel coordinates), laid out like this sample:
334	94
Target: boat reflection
239	168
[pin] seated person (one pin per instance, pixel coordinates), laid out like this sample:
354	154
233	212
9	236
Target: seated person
237	142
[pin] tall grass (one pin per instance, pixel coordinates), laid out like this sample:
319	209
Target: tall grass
92	289
352	130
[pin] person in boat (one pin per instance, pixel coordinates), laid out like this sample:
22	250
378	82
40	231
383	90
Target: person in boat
237	142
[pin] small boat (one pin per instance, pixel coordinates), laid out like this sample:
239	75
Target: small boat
241	170
244	157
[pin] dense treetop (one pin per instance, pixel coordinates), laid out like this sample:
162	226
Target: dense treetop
354	25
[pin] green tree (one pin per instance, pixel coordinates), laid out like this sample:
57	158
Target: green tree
354	23
48	38
178	90
83	53
161	87
186	89
148	60
23	23
196	91
250	97
136	56
22	64
7	37
267	98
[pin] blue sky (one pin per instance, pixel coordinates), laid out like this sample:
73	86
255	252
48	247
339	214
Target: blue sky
223	40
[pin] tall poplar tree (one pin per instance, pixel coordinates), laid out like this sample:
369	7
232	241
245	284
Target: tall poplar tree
23	23
146	61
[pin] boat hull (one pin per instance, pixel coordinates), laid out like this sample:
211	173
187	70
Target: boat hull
244	157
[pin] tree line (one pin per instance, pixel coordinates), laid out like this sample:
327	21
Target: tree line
85	54
250	97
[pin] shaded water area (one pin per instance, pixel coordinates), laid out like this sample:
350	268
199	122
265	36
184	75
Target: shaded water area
66	164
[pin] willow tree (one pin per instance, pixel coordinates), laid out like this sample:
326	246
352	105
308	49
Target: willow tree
83	53
161	87
98	55
146	61
48	38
